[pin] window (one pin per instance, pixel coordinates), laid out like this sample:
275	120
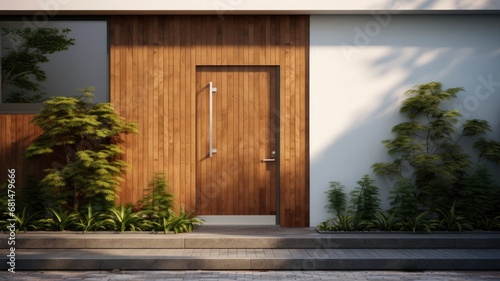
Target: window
55	59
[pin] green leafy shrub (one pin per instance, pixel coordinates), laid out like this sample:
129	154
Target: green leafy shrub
420	222
384	222
451	221
487	223
156	215
365	199
337	199
344	222
156	206
60	220
488	149
350	214
89	220
403	199
158	201
122	219
178	223
429	143
477	195
441	173
26	222
326	226
87	138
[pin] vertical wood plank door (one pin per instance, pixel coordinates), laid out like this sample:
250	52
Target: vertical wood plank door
240	177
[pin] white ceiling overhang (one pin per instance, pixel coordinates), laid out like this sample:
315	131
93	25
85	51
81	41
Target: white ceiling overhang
218	7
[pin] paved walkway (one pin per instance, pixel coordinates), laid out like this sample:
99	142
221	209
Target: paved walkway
252	275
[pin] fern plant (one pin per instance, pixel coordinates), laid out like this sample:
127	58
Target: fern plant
350	215
365	199
403	199
158	201
337	199
477	195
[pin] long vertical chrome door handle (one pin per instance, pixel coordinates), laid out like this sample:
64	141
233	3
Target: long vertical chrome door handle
212	150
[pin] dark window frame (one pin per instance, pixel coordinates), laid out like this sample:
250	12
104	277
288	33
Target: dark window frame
34	108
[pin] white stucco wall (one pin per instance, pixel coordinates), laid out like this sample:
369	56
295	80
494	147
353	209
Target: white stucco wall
360	66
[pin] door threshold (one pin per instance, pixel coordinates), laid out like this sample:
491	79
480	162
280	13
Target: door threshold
238	220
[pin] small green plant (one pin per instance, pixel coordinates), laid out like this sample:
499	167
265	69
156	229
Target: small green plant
337	199
477	195
25	222
420	222
403	199
364	199
345	222
341	222
451	221
351	215
384	222
326	226
89	220
122	219
60	220
157	201
178	223
487	223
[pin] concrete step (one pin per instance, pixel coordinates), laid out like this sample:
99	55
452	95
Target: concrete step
283	240
256	259
253	248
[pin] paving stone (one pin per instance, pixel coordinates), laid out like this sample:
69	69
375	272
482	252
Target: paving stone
297	259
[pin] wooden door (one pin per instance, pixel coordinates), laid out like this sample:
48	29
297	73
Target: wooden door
240	177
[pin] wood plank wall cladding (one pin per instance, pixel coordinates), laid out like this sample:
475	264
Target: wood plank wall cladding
16	134
153	63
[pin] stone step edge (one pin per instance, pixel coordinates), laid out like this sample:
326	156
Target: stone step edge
253	242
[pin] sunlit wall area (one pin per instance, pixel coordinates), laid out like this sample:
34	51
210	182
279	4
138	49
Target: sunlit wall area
360	67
